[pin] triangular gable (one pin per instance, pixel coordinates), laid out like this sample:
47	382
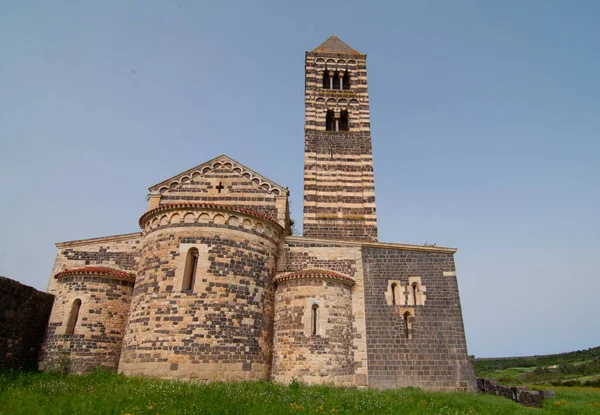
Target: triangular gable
335	45
209	166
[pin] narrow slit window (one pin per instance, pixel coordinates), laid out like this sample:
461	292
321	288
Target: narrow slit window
73	316
330	121
336	81
314	319
415	290
191	265
344	121
394	287
346	80
326	84
406	327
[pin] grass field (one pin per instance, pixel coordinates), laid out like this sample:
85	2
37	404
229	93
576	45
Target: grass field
107	393
575	367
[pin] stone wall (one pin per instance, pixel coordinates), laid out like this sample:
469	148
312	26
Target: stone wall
299	254
314	348
100	323
221	328
24	313
427	348
518	394
119	252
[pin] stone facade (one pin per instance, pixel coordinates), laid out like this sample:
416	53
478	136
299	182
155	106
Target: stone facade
222	327
428	349
120	252
313	328
24	313
223	291
88	320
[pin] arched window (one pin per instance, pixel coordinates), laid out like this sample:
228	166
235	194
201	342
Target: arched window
314	322
330	121
336	81
415	290
346	80
191	264
406	324
73	316
326	84
344	121
394	288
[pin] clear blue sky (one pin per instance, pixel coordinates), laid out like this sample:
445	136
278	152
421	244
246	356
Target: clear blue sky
485	122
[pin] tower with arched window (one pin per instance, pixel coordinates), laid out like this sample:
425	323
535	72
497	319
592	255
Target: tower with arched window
339	190
216	287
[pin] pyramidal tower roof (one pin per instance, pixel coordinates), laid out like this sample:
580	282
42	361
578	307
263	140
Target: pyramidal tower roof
335	45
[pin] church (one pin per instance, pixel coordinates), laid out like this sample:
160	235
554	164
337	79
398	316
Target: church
216	288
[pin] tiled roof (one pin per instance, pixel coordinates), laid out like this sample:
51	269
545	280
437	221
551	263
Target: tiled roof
335	45
312	274
103	271
172	206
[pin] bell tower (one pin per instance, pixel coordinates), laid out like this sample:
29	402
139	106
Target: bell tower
339	187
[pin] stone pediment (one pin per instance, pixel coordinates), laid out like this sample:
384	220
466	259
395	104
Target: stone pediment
210	166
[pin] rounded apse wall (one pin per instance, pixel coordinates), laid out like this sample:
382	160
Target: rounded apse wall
88	320
203	302
313	328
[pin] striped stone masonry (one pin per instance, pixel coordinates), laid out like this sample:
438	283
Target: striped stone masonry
339	187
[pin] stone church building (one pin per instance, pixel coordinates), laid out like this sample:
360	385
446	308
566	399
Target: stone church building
215	287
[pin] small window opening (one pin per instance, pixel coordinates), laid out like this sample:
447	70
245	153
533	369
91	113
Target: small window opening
406	328
191	264
346	80
330	121
315	319
336	81
326	84
415	289
394	287
220	187
344	121
73	316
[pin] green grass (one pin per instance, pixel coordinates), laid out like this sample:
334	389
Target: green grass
107	393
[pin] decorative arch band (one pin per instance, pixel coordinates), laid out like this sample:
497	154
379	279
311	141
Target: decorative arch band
181	213
314	274
98	271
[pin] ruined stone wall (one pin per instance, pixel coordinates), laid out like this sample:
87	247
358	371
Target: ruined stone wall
222	328
339	189
324	355
434	356
519	394
100	327
24	313
118	251
299	254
